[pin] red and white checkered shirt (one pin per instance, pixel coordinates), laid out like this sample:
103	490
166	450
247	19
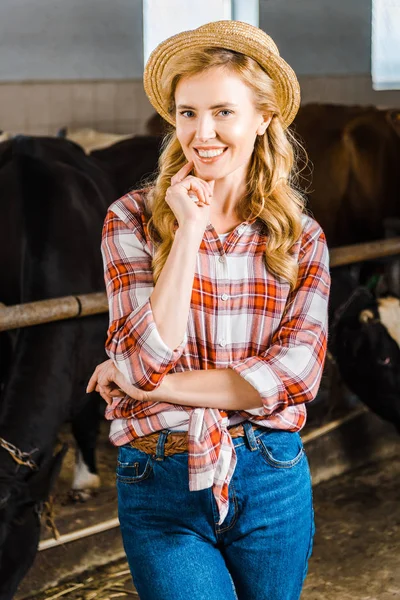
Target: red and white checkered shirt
241	317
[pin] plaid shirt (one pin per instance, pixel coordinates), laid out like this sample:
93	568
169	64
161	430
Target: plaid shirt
241	317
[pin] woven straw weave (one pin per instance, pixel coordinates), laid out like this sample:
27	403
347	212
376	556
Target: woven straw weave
232	35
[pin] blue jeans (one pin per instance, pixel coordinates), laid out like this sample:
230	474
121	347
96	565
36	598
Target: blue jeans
174	546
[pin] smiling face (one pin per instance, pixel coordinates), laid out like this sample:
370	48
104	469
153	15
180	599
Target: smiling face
217	123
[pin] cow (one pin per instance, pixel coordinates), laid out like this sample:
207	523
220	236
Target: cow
365	340
355	153
53	202
354	192
91	139
158	126
130	163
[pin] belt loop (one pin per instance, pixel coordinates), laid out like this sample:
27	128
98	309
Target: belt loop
249	435
160	444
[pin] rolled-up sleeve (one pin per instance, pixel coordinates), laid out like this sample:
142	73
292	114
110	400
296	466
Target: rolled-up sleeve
289	372
133	341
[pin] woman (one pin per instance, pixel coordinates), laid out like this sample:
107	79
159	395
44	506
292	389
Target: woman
218	286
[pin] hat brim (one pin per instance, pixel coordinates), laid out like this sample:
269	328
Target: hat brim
231	35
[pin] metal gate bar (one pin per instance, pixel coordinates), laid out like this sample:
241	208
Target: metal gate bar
71	307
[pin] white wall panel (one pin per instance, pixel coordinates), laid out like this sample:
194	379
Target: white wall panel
164	18
321	37
70	39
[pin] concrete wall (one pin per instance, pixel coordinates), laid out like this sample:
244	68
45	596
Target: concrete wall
43	107
67	62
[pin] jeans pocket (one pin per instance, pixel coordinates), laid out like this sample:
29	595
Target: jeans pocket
133	465
281	449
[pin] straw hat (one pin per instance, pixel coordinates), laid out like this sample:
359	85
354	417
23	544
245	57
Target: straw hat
232	35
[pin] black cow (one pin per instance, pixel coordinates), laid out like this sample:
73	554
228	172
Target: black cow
131	161
365	343
53	200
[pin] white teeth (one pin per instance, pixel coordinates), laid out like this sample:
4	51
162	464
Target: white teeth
209	153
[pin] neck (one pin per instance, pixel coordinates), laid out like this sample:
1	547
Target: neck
226	198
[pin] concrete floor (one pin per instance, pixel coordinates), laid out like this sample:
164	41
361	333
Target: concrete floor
356	547
357	543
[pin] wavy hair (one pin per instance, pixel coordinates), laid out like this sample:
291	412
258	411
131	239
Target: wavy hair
272	192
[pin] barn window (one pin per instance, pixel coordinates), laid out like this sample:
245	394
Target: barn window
386	44
162	19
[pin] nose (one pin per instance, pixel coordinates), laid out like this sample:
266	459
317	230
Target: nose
205	129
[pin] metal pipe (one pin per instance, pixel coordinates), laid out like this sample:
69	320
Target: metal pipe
56	309
70	307
345	255
324	429
79	534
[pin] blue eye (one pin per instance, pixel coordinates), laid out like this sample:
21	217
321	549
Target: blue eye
226	111
185	112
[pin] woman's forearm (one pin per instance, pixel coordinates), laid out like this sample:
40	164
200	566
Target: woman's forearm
214	388
170	299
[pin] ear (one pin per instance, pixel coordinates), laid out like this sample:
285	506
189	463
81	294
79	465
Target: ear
264	125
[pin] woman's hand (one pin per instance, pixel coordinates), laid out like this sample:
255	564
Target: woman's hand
109	382
189	198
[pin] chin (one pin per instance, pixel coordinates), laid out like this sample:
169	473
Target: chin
208	173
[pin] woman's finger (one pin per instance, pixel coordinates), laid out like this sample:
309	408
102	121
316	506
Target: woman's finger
92	381
205	188
107	375
105	395
207	185
95	375
103	380
117	392
182	173
209	191
194	185
121	381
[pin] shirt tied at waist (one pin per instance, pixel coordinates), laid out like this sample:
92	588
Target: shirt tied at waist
212	455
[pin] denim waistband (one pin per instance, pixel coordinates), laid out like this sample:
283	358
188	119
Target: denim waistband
249	438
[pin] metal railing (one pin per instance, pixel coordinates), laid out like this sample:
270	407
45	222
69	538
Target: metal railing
71	307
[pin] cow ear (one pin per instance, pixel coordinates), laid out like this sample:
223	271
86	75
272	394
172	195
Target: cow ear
393	118
360	299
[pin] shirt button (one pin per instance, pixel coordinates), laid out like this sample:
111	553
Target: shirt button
222	342
224	297
241	229
221	259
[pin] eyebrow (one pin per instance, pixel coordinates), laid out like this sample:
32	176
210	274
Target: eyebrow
222	105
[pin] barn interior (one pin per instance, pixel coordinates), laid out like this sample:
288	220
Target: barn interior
74	69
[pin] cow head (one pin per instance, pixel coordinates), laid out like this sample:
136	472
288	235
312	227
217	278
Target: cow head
19	528
365	343
21	501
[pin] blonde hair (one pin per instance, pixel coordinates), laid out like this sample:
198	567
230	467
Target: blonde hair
271	194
